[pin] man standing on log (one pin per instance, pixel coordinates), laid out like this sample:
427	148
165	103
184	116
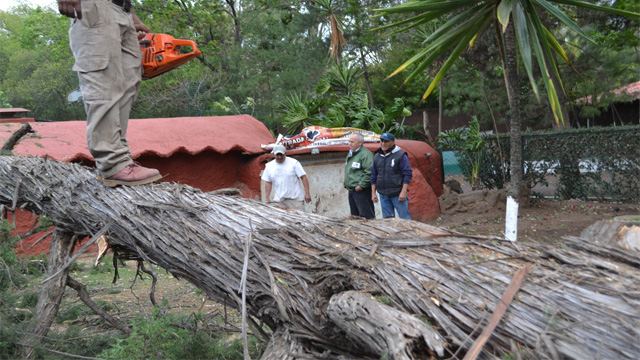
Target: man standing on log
390	176
104	39
287	178
357	178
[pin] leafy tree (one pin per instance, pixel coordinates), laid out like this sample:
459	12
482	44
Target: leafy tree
514	21
37	70
228	106
339	102
4	103
329	9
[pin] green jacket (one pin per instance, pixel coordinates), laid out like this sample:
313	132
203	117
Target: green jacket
357	169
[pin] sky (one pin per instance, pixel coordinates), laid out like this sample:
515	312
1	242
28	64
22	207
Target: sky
6	4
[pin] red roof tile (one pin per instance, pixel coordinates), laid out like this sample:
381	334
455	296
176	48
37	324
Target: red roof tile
13	110
632	90
66	140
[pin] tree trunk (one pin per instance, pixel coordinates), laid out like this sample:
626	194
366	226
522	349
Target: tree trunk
440	106
299	264
52	290
367	82
513	196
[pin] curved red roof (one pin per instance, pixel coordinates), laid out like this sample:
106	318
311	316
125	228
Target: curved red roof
66	140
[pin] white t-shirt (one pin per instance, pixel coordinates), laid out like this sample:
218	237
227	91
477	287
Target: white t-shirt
285	179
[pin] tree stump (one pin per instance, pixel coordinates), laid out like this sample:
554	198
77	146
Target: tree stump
623	231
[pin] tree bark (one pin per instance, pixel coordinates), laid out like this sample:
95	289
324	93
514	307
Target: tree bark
297	262
51	292
367	83
381	328
513	195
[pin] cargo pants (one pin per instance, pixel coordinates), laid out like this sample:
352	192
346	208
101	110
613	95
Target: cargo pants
108	61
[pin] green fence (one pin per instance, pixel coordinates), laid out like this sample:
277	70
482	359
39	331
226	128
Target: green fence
589	164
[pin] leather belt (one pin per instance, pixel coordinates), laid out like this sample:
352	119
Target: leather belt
124	4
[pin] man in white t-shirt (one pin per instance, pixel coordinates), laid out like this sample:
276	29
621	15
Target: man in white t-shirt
288	180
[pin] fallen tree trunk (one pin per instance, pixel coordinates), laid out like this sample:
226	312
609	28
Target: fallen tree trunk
579	301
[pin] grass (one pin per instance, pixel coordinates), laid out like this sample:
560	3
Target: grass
182	327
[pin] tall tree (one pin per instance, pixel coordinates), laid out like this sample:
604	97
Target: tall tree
515	22
330	11
36	63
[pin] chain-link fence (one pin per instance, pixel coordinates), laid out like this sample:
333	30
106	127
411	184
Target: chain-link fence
589	164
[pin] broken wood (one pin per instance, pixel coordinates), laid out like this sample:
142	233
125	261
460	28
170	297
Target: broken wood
13	140
299	261
381	328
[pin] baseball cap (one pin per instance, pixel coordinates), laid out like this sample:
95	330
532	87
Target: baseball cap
279	149
387	137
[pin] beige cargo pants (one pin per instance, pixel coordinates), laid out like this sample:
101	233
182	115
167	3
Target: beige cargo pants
109	65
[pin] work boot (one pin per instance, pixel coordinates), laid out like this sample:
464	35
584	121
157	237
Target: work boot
133	174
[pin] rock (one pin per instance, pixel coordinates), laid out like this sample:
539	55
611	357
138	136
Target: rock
452	186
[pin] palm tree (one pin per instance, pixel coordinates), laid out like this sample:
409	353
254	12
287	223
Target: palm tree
515	22
336	38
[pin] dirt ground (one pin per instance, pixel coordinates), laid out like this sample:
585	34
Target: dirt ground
543	220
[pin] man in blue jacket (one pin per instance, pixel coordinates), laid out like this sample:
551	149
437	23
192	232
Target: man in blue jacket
390	177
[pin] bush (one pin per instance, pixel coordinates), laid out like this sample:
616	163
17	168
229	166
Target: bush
593	163
8	258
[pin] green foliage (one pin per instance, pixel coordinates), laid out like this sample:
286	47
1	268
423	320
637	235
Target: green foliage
345	78
159	338
35	265
4	102
8	259
466	21
339	102
593	163
468	145
228	106
299	111
75	340
44	223
36	63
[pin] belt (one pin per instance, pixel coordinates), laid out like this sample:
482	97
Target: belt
124	4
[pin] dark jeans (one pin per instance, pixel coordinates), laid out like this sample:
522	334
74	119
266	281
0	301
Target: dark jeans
361	204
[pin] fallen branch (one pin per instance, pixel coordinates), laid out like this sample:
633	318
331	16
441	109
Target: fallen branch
512	289
13	140
81	289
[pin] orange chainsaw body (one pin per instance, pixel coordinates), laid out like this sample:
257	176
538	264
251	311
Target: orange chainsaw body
162	52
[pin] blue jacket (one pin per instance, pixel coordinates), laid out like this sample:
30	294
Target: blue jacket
390	171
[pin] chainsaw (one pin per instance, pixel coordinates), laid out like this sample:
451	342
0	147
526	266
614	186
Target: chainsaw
160	53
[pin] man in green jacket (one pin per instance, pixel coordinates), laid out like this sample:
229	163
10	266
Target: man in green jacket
357	178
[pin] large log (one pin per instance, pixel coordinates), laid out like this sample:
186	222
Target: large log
579	301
